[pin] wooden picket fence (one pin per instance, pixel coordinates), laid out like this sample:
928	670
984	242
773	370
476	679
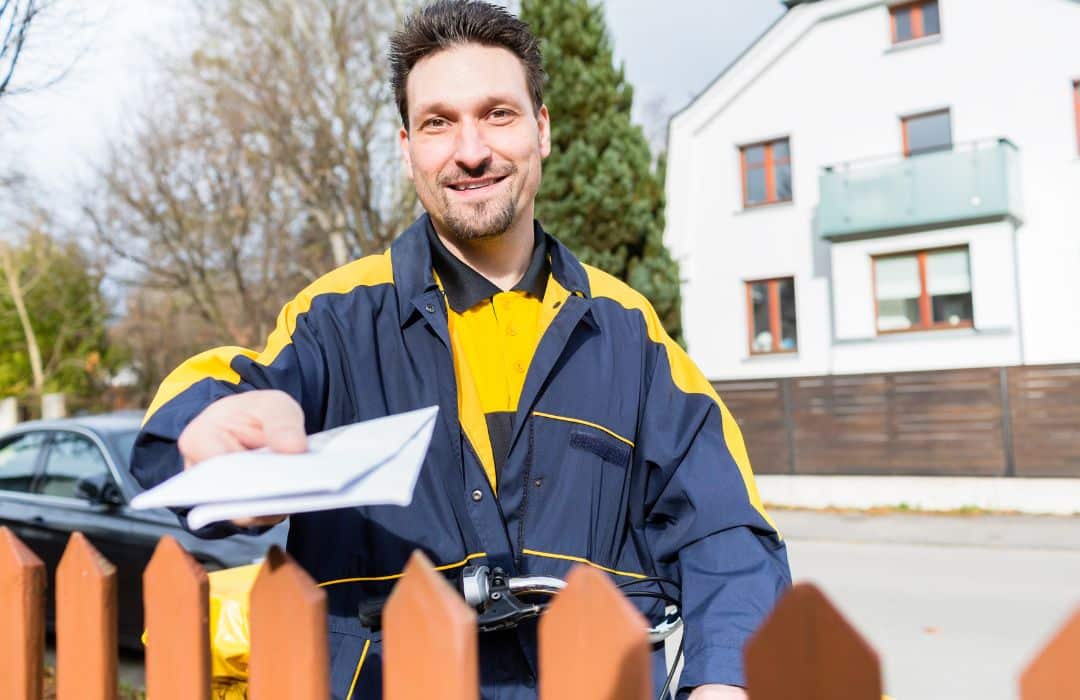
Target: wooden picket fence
592	641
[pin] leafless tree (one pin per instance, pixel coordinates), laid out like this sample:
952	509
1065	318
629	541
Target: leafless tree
267	150
16	18
311	79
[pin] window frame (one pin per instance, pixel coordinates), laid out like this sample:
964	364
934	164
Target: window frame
926	311
775	322
906	141
769	166
918	28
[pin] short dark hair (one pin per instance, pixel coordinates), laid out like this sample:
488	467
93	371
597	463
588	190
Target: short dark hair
444	24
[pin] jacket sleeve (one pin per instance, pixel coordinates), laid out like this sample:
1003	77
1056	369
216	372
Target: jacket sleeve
703	519
292	361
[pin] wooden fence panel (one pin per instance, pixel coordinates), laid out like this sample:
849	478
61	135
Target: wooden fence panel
425	619
289	659
1045	408
806	650
22	633
176	602
1055	672
758	408
593	643
933	423
85	623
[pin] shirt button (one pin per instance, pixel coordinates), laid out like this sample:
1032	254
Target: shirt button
511	331
477	495
520	367
430	308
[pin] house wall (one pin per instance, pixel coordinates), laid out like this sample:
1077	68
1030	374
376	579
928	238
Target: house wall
827	77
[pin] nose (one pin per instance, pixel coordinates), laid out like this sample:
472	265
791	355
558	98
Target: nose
472	153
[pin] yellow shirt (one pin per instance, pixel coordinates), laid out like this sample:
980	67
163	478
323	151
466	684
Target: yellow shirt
493	334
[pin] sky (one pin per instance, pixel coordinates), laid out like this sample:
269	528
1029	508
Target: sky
671	51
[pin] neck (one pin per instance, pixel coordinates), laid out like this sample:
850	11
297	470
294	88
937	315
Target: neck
501	259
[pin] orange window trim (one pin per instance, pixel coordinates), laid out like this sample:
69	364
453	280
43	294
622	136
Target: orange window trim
769	165
918	28
773	301
905	121
926	312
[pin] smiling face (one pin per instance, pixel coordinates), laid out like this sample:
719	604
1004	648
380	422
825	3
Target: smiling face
475	144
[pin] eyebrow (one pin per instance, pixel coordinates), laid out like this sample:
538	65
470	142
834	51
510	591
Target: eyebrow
487	103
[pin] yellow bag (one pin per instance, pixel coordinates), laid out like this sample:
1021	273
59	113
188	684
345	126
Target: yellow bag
230	636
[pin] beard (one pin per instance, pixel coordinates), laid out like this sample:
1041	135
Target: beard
479	220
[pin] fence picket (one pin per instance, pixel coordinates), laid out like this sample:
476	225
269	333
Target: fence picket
22	635
593	643
289	659
1055	673
85	623
806	650
175	600
424	619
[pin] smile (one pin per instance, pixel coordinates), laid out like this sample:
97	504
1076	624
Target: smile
476	184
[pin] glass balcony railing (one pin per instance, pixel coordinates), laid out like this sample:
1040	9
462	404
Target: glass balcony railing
971	182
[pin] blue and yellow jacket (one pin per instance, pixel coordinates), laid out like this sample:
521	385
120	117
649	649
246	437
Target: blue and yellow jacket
621	456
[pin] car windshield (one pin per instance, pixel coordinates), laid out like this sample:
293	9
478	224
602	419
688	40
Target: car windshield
123	443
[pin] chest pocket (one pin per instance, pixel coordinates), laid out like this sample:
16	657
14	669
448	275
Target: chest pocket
609	466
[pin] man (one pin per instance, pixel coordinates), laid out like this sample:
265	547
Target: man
571	428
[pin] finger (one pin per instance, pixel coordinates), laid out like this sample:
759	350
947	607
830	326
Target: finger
201	440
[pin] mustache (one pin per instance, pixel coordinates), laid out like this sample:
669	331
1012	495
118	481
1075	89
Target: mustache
486	170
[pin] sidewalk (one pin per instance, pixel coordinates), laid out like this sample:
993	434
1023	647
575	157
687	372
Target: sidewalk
981	530
929	493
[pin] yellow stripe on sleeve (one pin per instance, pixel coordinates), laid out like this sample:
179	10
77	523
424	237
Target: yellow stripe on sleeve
217	363
684	373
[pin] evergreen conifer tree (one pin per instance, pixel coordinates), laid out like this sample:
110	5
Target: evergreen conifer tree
601	194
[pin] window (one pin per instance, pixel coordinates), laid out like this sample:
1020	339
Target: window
72	458
915	20
766	170
924	290
18	459
926	133
771	308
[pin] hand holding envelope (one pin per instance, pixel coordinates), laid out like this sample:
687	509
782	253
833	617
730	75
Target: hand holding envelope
368	463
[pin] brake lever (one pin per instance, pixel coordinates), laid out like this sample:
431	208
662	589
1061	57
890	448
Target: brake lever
504	610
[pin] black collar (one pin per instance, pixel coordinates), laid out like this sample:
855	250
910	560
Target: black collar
465	287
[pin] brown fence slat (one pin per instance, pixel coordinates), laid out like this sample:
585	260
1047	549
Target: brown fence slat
1045	413
289	659
85	623
759	409
1055	672
175	599
593	643
22	633
429	638
806	650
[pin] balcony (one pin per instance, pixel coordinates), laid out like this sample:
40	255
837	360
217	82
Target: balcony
971	183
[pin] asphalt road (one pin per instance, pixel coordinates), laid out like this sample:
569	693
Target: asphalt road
955	606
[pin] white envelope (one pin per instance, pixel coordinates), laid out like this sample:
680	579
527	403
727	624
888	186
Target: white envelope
370	463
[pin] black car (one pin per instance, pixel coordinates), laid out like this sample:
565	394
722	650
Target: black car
62	476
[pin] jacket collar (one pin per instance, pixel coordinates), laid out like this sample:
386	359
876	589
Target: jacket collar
410	255
465	287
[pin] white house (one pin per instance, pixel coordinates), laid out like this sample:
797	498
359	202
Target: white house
881	186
